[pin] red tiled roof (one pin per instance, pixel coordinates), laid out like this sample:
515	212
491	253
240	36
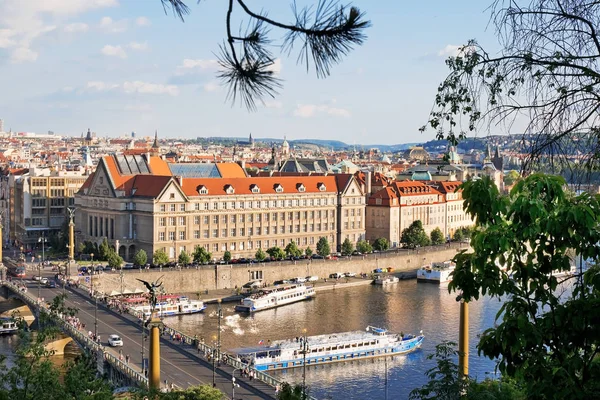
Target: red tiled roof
88	181
413	188
148	185
231	170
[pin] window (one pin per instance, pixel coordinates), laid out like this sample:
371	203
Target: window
215	219
258	231
161	236
182	207
162	221
182	235
206	206
250	231
172	221
223	232
205	220
215	206
205	234
197	220
163	208
172	208
242	232
197	234
232	232
172	196
182	221
233	219
215	247
266	230
242	218
215	233
197	207
224	219
171	235
255	189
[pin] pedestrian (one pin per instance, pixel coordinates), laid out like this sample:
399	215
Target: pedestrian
127	358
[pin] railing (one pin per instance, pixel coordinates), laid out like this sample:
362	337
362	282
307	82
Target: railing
82	338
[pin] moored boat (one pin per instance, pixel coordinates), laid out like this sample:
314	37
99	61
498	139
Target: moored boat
325	349
8	326
279	296
437	272
166	307
386	279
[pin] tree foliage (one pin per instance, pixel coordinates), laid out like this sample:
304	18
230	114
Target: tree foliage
415	236
308	251
201	392
292	250
545	78
160	257
201	256
511	177
184	258
227	256
323	35
276	253
347	247
381	244
114	260
364	247
289	392
545	335
260	255
140	258
323	248
437	237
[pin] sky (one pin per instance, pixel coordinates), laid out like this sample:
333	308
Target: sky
117	66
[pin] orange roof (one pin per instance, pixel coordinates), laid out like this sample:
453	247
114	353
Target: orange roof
158	166
413	188
88	181
231	170
113	171
266	185
385	195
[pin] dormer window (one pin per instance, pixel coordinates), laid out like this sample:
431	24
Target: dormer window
229	189
278	188
321	186
254	188
202	189
301	188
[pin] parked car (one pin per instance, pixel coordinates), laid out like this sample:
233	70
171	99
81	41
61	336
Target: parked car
317	257
51	284
43	280
336	275
115	340
350	274
298	280
313	278
255	284
356	253
128	266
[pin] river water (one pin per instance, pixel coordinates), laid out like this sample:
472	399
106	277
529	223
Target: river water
406	307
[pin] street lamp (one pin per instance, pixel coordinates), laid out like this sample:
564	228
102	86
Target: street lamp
39	276
304	349
95	299
42	239
213	360
220	314
143	339
233	384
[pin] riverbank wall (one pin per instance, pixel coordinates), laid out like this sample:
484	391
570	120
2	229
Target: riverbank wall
217	277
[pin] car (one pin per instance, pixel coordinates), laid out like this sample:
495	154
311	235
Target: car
51	284
317	257
350	274
313	278
36	277
128	266
298	280
43	280
115	340
357	253
255	284
336	275
332	257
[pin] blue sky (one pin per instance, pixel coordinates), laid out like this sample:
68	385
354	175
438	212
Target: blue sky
117	66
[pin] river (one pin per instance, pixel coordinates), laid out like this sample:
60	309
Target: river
406	307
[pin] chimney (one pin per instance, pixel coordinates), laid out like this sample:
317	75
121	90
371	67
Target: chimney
368	187
148	158
179	179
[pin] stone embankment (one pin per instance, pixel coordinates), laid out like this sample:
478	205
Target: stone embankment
224	278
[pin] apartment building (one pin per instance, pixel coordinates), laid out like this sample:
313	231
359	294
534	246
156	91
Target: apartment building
143	202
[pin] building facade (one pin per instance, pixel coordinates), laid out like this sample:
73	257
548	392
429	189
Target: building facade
142	202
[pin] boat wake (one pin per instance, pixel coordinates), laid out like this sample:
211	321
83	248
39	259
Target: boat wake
233	322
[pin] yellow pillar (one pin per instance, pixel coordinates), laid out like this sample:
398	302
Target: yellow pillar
154	367
71	240
463	340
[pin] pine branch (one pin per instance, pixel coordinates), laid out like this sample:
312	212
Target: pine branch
177	6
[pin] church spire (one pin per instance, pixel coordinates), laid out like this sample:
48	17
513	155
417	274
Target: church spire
155	149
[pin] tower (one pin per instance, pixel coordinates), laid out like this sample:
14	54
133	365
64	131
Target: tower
88	138
155	149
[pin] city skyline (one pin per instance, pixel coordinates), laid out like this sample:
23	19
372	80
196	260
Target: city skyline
120	66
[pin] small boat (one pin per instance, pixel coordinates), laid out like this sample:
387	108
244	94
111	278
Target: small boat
279	296
8	326
437	272
386	279
178	305
330	348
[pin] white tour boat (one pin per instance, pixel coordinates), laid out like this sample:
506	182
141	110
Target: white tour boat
8	326
386	279
279	296
437	272
179	305
324	349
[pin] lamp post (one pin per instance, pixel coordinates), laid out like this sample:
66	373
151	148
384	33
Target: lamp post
95	298
220	315
213	362
233	383
143	340
42	239
39	277
304	349
463	338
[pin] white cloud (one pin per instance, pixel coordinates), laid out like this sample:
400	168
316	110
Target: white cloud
142	21
150	88
25	21
191	66
109	25
138	46
452	50
211	87
23	54
312	110
76	27
101	86
114	51
273	104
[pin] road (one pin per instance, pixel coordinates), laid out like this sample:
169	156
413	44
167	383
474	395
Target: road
179	364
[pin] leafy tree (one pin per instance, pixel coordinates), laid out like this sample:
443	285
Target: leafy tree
202	392
308	252
437	237
446	384
201	256
364	247
546	69
140	258
160	257
114	260
227	256
289	392
260	255
81	247
511	177
381	244
324	37
276	253
544	337
292	250
458	235
415	235
184	258
323	248
103	251
347	247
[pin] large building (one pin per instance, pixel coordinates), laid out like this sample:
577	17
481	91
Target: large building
143	202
